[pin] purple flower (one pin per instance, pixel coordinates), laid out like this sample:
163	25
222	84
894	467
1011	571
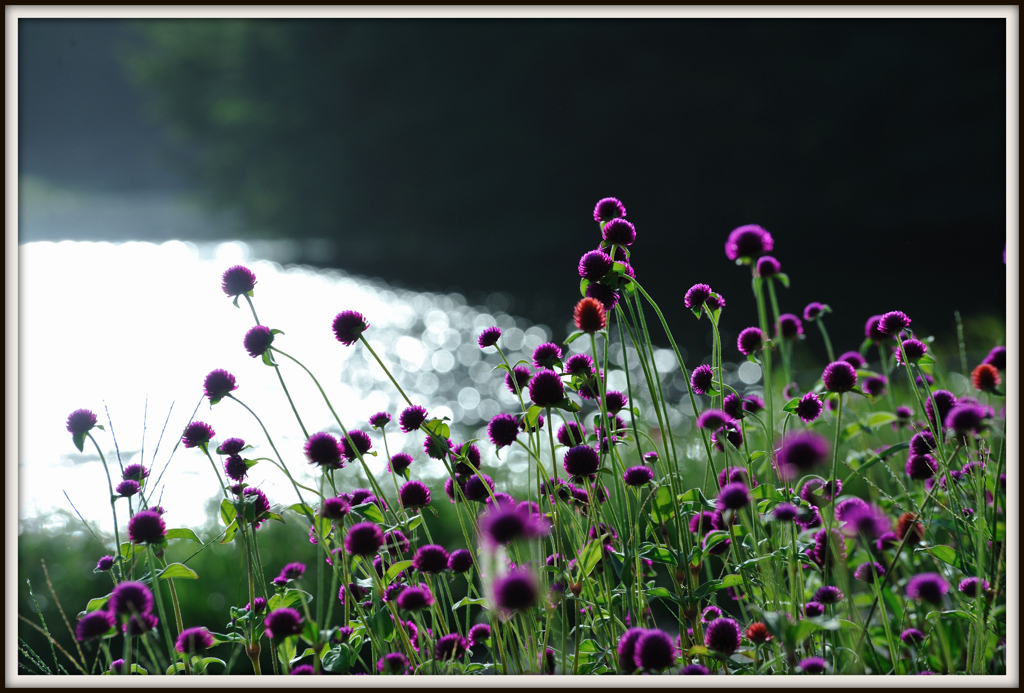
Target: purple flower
479	634
929	587
322	449
733	497
451	646
702	379
813	665
516	591
380	419
194	641
694	670
460	561
914	350
502	430
400	461
866	572
235	467
712	419
197	433
546	389
81	421
608	208
892	322
733	405
430	559
969	586
475	489
292	571
828	594
944	401
594	265
147	527
875	385
722	635
854	359
627	649
348	326
364	539
570	434
710	614
618	232
614	401
748	241
912	636
231	446
414	494
127	488
839	376
715	301
868	521
997	357
696	296
921	467
415	598
257	340
579	364
784	512
489	337
522	377
581	460
922	443
140	624
412	418
871	330
588	316
237	280
262	505
789	326
767	266
218	384
281	623
130	597
813	609
750	340
93	625
809	407
801	452
966	418
335	508
105	563
362	445
638	476
135	472
827	543
813	311
654	651
393	663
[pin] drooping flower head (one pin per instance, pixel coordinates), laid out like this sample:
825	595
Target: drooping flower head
479	634
619	232
257	340
750	340
489	337
589	314
892	322
197	433
218	384
747	242
839	376
348	326
194	641
608	208
237	280
147	527
702	379
594	265
696	296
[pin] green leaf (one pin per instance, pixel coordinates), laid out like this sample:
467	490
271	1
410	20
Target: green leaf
470	601
227	512
573	337
290	598
302	509
338	659
177	666
229	533
660	554
584	283
697	650
663	508
370	511
310	633
568	405
783	279
731	581
220	638
438	427
532	414
183	533
852	430
177	570
946	554
126	549
879	418
663	593
79	440
791	405
394	570
97	604
273	516
591	555
926	360
415	522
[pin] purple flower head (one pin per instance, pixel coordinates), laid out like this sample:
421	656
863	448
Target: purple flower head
135	472
888	540
348	326
194	641
808	518
235	467
579	364
923	378
944	401
813	609
237	280
828	594
472	456
608	208
710	614
460	561
218	384
415	598
903	417
364	539
892	322
257	340
784	512
516	591
400	461
912	636
147	527
380	419
969	586
750	340
281	623
813	665
627	649
871	330
997	357
702	379
105	563
393	663
197	433
839	376
292	571
93	625
733	405
818	492
414	494
362	445
702	522
615	401
449	647
570	434
695	670
827	543
140	625
966	418
875	385
322	449
868	521
130	597
809	408
654	651
412	418
396	542
813	311
914	350
722	635
335	508
589	316
502	430
479	634
522	377
712	419
748	241
546	389
594	265
475	489
696	296
430	559
733	496
929	587
922	443
231	446
789	326
638	476
262	505
854	359
767	266
489	337
800	453
921	467
127	488
619	232
581	460
866	572
81	421
715	301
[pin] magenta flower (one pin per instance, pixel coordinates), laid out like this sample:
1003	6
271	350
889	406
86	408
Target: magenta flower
722	635
130	597
194	641
750	340
147	527
489	337
892	322
414	494
546	389
608	208
257	340
809	407
619	232
348	326
702	379
516	591
712	419
747	242
412	418
127	488
839	376
929	587
281	623
322	449
696	296
218	385
237	280
594	265
197	434
431	558
94	624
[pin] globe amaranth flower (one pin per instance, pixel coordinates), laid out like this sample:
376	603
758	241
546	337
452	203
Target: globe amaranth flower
399	462
235	467
985	377
127	488
335	508
892	322
912	636
257	340
867	572
872	331
348	326
362	443
813	310
594	265
789	326
105	563
809	407
603	294
619	232
733	496
475	488
479	634
767	266
913	348
94	624
231	446
194	641
489	337
638	476
581	461
614	401
997	357
733	405
135	472
654	651
502	430
750	340
813	665
748	241
415	598
546	389
260	503
570	434
322	449
819	492
237	280
579	364
695	670
281	623
414	494
702	379
696	295
854	359
875	385
147	527
197	433
800	453
921	467
450	647
81	421
516	380
827	543
966	418
712	419
839	376
814	609
460	561
608	208
364	539
922	443
969	586
430	559
722	635
589	314
827	594
218	384
411	418
940	401
929	587
393	663
715	301
130	598
516	591
626	649
785	512
140	624
908	524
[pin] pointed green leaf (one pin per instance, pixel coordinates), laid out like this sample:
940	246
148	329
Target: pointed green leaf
573	337
227	512
229	533
183	533
880	418
584	283
783	279
97	604
394	570
370	511
470	601
79	440
177	570
590	556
